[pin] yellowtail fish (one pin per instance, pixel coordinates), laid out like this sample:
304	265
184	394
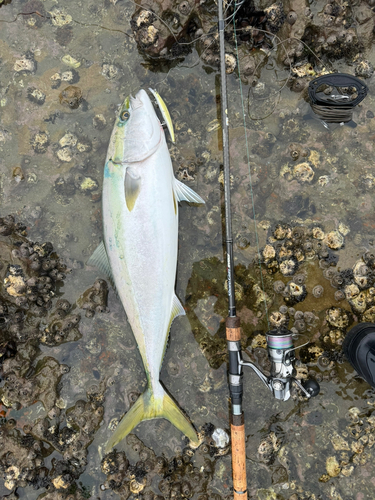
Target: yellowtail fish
139	252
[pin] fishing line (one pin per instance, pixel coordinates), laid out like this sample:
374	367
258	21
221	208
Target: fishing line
304	44
235	12
251	184
205	35
280	42
276	102
214	41
197	61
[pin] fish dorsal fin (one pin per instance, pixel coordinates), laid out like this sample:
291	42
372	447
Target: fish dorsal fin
99	259
132	186
184	193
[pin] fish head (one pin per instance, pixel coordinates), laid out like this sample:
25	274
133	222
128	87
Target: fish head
137	132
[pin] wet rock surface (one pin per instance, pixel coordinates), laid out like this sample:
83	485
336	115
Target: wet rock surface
185	475
308	214
32	316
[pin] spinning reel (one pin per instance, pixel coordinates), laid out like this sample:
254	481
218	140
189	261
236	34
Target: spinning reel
333	97
282	374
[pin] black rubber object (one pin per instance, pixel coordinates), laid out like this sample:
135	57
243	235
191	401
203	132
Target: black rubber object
359	348
337	80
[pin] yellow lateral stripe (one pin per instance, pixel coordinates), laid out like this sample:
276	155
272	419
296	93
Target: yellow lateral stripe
164	111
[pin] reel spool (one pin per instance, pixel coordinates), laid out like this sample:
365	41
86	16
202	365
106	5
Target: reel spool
333	97
282	375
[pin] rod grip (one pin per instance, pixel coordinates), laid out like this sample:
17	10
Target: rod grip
233	328
239	457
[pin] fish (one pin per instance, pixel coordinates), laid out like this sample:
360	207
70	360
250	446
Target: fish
139	251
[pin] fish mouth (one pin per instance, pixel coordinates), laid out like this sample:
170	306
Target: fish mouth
136	102
141	99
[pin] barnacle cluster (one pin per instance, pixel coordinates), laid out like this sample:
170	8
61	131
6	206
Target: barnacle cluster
75	181
297	321
178	477
69	433
71	145
337	37
268	448
26	64
302	171
353	446
168	32
356	285
144	29
29	272
94	299
290	246
21	458
40	142
31	315
26	384
186	168
36	96
62	325
298	245
69	76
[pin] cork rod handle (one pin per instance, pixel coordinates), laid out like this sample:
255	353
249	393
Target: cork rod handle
233	334
239	461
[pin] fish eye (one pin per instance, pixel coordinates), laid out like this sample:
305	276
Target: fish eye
124	116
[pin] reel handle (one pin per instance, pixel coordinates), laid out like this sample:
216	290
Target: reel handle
311	386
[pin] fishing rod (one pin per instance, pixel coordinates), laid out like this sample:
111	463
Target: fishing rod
279	341
233	331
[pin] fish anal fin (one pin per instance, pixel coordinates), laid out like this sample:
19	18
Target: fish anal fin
177	308
132	187
148	407
99	259
184	193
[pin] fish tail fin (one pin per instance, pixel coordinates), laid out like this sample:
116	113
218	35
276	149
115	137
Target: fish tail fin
177	418
147	407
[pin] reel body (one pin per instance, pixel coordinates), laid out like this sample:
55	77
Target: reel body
281	353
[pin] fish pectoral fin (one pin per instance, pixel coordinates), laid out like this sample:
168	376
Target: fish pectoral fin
132	187
99	259
184	193
148	407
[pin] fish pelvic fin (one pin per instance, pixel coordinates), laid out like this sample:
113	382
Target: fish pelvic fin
99	259
148	407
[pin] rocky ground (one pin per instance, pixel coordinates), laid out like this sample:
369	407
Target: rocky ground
303	228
